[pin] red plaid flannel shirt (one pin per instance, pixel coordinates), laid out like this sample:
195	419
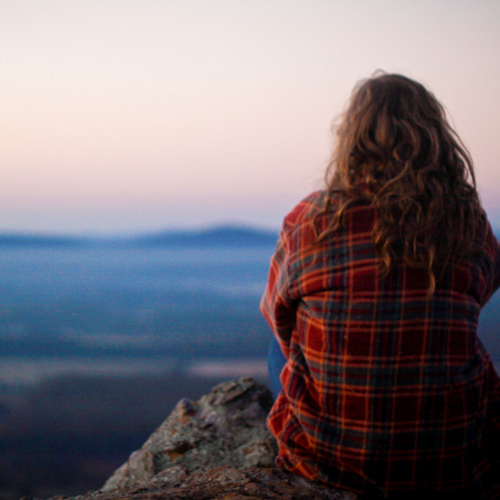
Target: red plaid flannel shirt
383	389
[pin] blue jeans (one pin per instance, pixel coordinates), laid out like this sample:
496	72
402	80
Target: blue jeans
275	362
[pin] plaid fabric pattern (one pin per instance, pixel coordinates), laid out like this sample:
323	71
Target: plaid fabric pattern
384	390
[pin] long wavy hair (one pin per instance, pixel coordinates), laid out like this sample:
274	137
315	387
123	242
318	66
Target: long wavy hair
396	151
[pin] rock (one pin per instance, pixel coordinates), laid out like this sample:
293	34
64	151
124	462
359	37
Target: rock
225	483
216	448
226	427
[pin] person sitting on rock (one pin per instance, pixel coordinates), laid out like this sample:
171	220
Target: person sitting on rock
374	295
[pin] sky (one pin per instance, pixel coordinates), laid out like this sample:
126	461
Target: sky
123	116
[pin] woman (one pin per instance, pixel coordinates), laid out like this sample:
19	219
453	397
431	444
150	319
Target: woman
374	295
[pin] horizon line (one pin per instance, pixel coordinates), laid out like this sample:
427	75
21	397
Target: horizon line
180	230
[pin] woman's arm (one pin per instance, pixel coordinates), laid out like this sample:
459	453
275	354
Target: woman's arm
276	305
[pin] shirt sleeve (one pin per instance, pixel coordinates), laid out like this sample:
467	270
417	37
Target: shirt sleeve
277	306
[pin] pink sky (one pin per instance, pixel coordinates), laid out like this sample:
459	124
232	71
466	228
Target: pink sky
122	116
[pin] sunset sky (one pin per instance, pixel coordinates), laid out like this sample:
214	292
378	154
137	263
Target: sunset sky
121	116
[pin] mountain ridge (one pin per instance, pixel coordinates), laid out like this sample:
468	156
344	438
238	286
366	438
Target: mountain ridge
220	235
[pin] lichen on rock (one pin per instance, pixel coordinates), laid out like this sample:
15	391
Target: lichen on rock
226	427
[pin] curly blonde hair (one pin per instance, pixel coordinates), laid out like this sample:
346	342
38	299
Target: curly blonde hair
396	151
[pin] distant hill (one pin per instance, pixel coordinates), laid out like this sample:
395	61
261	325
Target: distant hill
219	236
233	236
37	240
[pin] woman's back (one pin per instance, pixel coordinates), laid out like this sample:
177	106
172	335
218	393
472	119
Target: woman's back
384	389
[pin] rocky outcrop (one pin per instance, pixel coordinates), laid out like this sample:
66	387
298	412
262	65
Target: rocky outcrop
216	448
226	427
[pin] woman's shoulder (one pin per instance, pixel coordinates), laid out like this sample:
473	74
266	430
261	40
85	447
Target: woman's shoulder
303	223
307	209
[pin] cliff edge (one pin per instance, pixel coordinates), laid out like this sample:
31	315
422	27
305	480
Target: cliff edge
216	448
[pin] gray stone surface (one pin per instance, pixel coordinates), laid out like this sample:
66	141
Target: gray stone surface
216	448
224	483
226	427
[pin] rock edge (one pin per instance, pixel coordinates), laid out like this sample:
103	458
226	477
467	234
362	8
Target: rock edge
216	448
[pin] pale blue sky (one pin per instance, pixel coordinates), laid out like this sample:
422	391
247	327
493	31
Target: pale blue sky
135	115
